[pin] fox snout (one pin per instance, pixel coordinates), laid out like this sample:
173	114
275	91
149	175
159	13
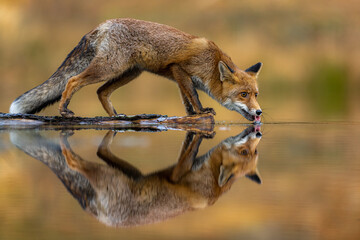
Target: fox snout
255	112
255	115
250	114
258	112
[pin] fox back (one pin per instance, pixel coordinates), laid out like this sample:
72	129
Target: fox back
118	50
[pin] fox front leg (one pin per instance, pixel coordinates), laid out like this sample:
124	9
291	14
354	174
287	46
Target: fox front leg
189	108
187	155
188	92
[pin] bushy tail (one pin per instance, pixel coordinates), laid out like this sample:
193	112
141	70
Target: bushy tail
50	91
39	97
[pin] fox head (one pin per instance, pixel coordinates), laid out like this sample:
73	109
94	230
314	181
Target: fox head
240	90
240	157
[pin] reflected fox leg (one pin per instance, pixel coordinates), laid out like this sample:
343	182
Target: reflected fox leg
110	86
72	159
96	72
90	170
188	139
105	154
187	155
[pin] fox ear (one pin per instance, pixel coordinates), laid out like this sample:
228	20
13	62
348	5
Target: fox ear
225	71
254	176
254	70
224	176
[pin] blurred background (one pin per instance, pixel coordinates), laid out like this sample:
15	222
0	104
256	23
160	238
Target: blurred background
310	51
311	56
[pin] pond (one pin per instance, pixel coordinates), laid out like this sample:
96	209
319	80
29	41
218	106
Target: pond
235	181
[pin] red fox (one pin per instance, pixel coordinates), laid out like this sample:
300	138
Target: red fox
118	50
118	194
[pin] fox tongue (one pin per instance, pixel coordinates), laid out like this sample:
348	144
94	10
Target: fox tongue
257	118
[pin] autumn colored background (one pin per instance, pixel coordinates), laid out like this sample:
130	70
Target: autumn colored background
310	51
311	55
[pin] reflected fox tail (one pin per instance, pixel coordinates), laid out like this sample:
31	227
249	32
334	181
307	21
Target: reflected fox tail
50	91
49	153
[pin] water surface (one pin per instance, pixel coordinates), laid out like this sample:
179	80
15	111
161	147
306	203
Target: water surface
309	189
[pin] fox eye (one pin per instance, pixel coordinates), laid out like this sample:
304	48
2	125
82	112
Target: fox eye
256	94
243	94
244	152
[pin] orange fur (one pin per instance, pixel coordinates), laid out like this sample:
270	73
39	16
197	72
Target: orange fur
118	50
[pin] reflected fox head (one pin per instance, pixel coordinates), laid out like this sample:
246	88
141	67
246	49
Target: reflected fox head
239	157
240	90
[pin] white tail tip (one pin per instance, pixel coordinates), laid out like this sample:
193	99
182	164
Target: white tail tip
14	108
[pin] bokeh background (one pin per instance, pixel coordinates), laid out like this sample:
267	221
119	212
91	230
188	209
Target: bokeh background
310	50
311	55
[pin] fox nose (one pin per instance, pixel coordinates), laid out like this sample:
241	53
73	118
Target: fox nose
258	112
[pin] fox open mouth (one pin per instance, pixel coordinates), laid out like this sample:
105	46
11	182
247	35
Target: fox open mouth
247	115
240	109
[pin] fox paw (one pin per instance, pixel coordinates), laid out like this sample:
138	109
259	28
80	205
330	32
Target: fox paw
66	113
209	135
208	110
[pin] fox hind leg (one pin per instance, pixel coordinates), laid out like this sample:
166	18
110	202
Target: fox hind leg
73	85
97	71
110	86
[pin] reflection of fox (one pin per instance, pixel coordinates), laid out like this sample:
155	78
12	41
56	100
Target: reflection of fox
117	51
118	194
127	197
